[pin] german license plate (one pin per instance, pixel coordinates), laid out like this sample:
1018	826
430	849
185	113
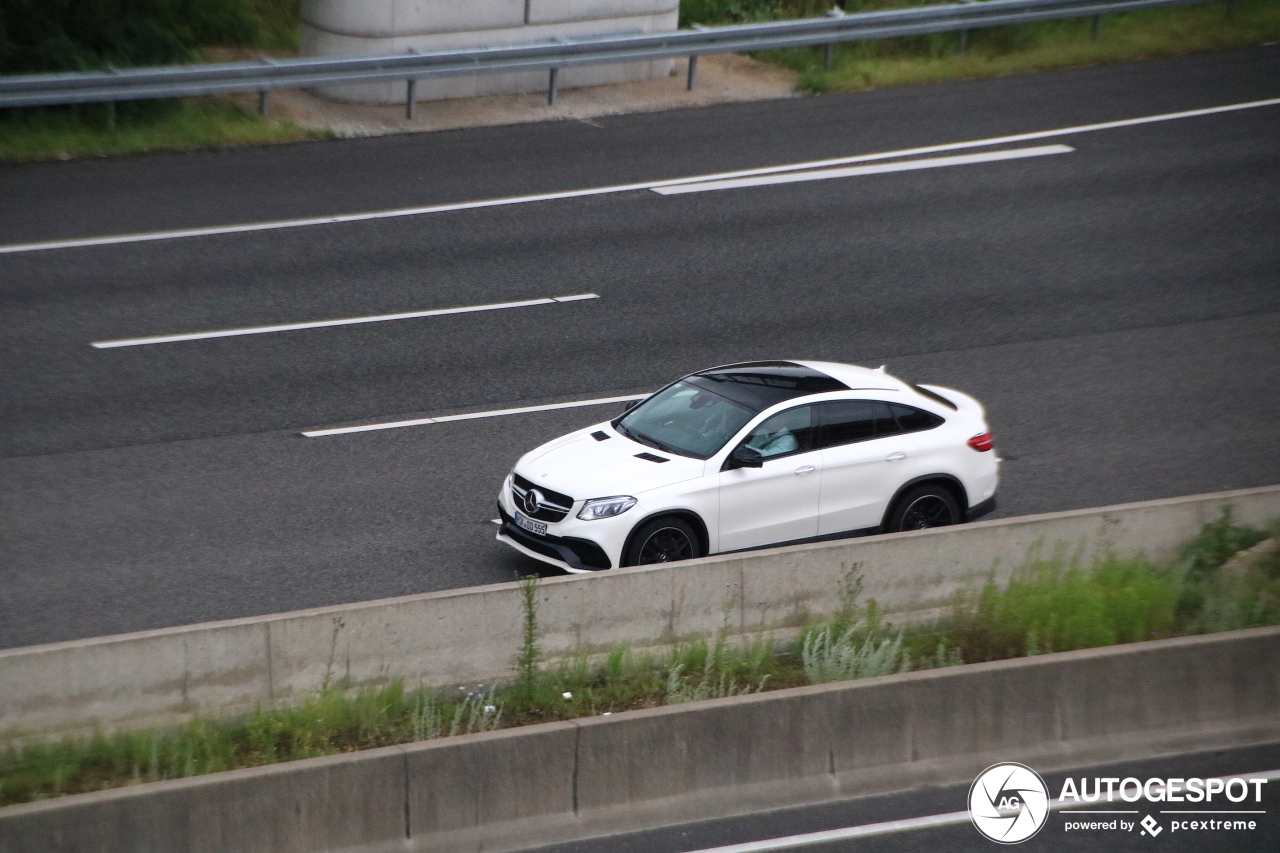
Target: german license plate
537	527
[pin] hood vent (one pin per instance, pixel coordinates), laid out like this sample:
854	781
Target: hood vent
600	435
649	457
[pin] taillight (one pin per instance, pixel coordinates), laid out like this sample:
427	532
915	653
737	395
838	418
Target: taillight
982	443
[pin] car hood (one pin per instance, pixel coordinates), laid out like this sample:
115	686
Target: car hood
582	467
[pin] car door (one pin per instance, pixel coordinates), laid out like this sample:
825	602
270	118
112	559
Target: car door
778	501
864	460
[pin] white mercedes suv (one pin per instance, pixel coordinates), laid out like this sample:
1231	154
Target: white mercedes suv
750	455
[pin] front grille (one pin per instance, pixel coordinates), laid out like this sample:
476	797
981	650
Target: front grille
553	506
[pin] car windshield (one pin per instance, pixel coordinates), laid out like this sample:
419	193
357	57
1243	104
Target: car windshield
686	420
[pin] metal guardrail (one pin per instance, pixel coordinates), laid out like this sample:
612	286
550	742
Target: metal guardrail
218	78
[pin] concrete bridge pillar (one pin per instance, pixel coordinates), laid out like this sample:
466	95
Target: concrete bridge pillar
380	27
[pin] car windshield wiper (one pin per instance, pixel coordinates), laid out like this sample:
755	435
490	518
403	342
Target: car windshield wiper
668	448
651	442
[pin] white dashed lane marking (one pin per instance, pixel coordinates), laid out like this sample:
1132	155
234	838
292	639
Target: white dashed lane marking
322	324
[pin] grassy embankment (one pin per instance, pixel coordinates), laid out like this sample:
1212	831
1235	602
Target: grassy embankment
189	123
1002	50
38	36
1050	605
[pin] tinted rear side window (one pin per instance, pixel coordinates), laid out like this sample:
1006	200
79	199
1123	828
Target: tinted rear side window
914	420
845	421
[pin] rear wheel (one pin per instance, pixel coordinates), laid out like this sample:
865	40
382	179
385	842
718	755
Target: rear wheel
922	508
662	540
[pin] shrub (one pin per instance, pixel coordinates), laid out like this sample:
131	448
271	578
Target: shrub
81	35
748	11
1048	607
829	654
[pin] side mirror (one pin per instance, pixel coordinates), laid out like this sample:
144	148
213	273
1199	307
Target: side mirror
630	404
744	457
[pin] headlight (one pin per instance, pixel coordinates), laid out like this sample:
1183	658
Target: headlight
605	507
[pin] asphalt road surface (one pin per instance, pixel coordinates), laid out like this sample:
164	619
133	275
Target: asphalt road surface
1115	304
963	837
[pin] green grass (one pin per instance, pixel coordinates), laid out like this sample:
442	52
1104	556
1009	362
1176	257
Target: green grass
278	23
61	133
58	35
1050	604
1032	47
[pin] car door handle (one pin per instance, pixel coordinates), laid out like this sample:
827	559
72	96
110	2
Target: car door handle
805	469
896	457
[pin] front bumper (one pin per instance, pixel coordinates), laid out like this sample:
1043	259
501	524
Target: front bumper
567	552
571	544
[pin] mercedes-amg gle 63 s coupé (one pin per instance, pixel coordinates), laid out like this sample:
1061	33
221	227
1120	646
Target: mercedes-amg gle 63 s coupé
749	455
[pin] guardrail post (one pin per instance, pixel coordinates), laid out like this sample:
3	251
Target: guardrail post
262	93
964	34
693	59
1097	27
829	58
409	98
551	87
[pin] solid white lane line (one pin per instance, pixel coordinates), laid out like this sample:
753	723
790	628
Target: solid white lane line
471	205
350	321
889	827
878	169
317	433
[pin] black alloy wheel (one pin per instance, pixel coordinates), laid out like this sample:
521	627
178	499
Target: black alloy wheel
662	540
923	508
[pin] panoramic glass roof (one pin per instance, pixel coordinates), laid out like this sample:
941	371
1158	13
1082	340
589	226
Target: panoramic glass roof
761	384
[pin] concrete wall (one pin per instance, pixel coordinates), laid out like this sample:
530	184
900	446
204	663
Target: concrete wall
386	27
562	781
472	635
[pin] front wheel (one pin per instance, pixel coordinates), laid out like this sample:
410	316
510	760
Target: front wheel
922	508
662	540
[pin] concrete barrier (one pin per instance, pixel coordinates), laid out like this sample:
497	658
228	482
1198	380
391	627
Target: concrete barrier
341	802
385	27
472	635
572	780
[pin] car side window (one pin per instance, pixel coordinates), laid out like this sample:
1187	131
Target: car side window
914	420
847	421
786	432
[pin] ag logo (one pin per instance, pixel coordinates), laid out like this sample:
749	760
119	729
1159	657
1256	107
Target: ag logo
1008	803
